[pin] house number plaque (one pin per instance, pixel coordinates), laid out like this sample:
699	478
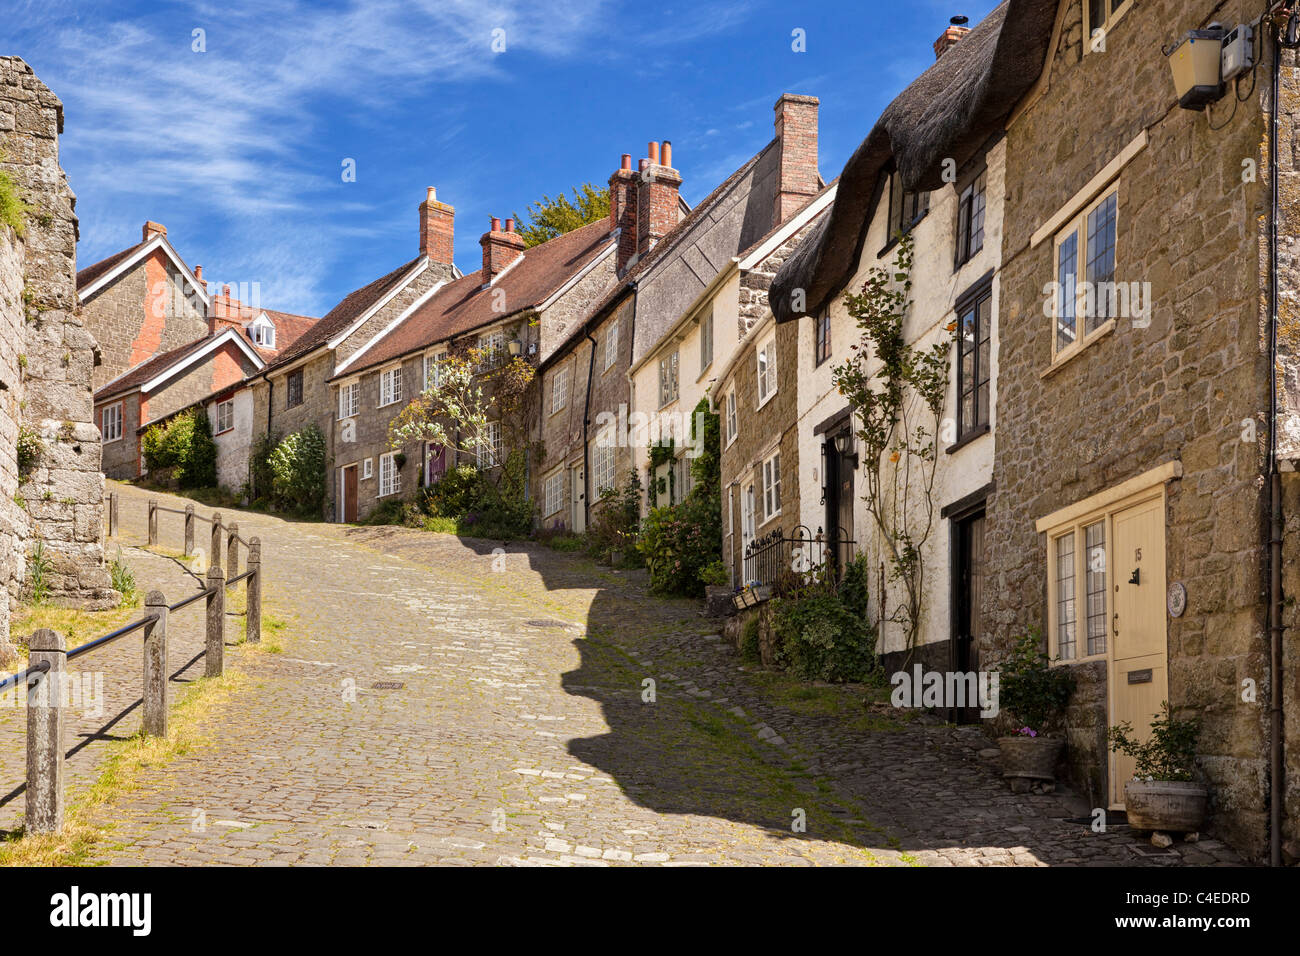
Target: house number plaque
1177	599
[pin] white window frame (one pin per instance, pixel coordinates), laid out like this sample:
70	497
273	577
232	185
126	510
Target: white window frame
390	479
553	493
390	386
669	378
117	419
489	455
602	463
611	346
765	370
1077	229
349	400
229	409
492	345
769	477
706	341
367	468
433	364
263	332
1108	20
559	389
732	417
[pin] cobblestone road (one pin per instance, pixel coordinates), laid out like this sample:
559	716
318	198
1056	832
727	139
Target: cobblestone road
436	702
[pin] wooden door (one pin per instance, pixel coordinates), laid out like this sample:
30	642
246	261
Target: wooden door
350	494
1139	659
968	581
578	486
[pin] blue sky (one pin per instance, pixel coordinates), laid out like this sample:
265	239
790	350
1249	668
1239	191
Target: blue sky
239	150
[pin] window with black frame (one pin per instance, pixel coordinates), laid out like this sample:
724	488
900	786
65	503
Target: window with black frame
823	336
906	208
974	320
970	220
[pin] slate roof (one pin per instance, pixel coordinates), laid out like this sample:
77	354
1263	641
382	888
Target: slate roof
464	304
948	111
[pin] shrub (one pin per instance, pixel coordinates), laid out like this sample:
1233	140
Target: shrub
715	574
182	449
261	476
29	451
616	518
749	649
822	632
1170	753
1031	689
298	471
13	211
480	506
38	574
124	581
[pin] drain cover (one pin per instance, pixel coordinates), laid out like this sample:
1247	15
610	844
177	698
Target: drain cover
388	685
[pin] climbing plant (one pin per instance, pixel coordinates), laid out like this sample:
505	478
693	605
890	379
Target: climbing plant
897	391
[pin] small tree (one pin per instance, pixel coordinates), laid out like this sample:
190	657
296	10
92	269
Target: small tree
297	468
554	217
897	392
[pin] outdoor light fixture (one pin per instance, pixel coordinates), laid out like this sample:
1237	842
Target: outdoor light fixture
515	347
844	445
1196	62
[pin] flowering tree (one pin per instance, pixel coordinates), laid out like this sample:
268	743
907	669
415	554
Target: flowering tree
469	391
897	392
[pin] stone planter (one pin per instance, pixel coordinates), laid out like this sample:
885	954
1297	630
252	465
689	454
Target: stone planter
1170	806
1030	758
717	600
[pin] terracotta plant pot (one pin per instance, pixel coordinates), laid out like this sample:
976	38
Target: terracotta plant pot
1169	805
1032	757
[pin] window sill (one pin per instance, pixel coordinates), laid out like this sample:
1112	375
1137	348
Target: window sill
112	441
770	395
224	431
1077	661
769	519
963	442
1062	360
396	401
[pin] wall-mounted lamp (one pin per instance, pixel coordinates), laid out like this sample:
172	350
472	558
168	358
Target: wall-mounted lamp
515	346
844	445
1196	62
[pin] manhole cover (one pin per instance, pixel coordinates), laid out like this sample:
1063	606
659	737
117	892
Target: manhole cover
545	623
388	685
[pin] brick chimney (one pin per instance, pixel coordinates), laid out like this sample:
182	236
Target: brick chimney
500	248
437	222
948	39
198	275
657	204
152	229
226	312
622	211
796	133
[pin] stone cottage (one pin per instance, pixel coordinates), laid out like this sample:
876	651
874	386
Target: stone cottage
508	308
51	488
294	390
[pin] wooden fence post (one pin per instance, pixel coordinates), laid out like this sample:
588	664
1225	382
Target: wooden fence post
253	616
153	522
44	812
214	556
112	514
155	667
232	550
216	642
189	530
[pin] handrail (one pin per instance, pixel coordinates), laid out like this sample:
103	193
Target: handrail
191	599
25	675
239	577
112	636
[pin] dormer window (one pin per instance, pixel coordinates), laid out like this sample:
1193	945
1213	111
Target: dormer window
262	332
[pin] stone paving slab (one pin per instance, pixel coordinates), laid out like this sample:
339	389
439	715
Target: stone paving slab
447	701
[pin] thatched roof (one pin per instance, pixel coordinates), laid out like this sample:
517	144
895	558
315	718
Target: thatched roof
946	112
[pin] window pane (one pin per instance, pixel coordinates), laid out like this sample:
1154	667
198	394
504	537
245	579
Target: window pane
1065	620
1101	261
1095	542
1066	274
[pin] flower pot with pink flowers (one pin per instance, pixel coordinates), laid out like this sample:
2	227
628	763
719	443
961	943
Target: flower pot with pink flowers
1035	694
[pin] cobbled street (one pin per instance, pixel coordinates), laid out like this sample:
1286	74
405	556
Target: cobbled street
424	700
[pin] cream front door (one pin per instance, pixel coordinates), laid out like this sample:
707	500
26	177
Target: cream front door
1139	658
578	486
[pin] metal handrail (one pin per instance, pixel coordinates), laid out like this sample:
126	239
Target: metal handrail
239	577
206	592
25	675
112	636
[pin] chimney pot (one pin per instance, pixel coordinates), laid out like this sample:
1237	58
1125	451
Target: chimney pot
949	38
499	249
668	153
627	161
510	225
496	224
623	211
653	153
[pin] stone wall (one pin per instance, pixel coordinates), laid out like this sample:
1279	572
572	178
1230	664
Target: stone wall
13	522
1177	390
63	495
122	457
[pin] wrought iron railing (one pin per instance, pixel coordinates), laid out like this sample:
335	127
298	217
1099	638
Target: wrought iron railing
778	560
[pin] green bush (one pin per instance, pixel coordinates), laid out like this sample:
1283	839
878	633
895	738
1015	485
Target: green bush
1031	689
750	652
28	451
298	472
480	506
13	211
616	518
822	632
1169	754
182	449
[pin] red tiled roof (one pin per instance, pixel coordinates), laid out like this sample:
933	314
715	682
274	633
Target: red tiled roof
288	326
337	319
464	305
93	272
149	368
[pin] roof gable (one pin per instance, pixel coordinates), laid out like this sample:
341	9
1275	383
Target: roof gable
104	273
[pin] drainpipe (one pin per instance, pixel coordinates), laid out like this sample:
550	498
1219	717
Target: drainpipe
1276	757
586	448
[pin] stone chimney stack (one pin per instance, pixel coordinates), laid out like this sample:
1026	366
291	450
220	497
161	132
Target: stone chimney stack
152	229
948	39
657	203
796	133
500	248
437	222
622	212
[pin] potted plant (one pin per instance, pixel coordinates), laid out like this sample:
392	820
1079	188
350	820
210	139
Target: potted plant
1034	692
717	588
1162	794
